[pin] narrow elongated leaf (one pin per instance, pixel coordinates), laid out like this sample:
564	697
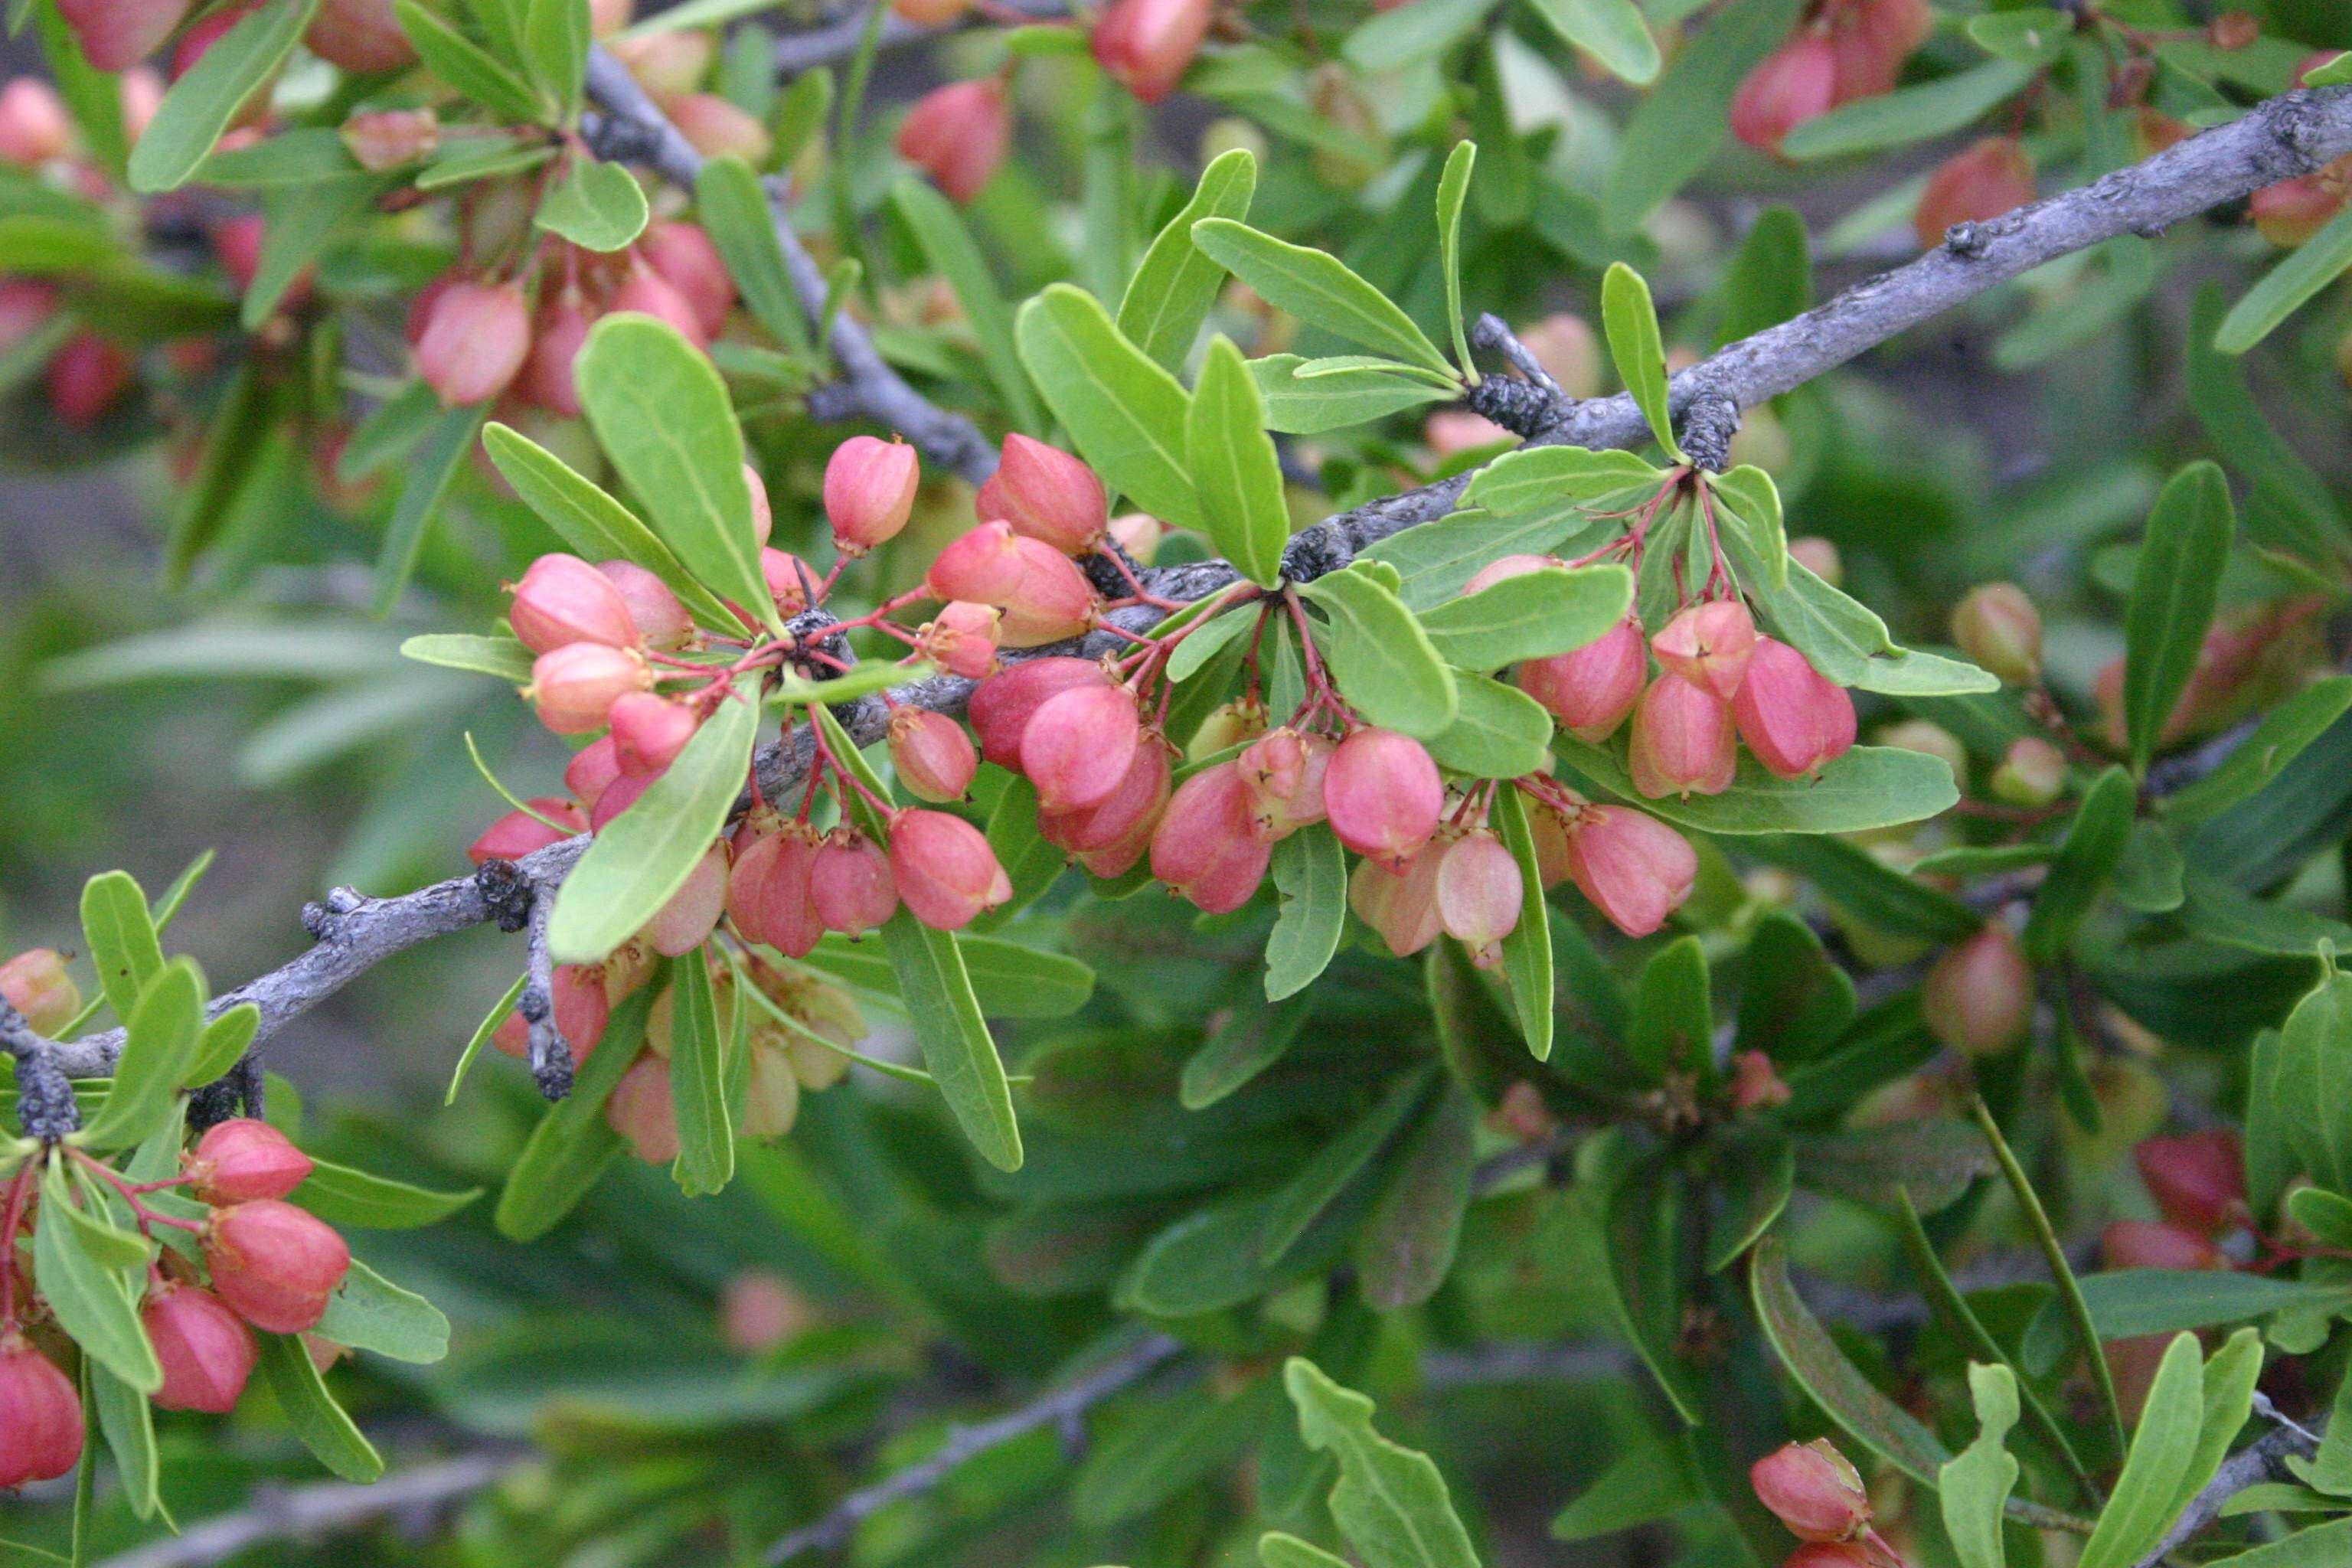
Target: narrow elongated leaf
1310	882
1770	279
1531	616
948	245
2290	508
343	1196
2284	289
2087	858
121	936
1908	114
1321	402
1302	1199
2163	1447
1813	1358
596	205
502	657
1453	186
2323	1546
1175	283
2286	731
322	1425
158	1047
1252	1038
1390	1501
369	1312
1384	662
1546	479
1526	950
1404	34
698	1081
1126	414
128	1422
1975	1487
2175	590
200	105
1010	981
555	39
466	65
1687	115
429	475
1612	31
1406	1246
574	1141
1235	471
735	213
1318	288
1637	349
87	1294
226	1040
2229	1399
1870	786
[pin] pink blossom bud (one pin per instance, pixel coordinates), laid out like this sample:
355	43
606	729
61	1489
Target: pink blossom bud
1813	1489
1382	795
1479	895
1998	626
1205	846
1709	645
646	292
850	883
1400	906
1148	45
643	1112
961	640
983	565
1795	83
1682	740
242	1159
387	139
1053	602
1634	869
1077	747
40	1415
1756	1083
474	342
573	686
591	770
687	921
361	36
2197	1180
649	730
1978	997
661	620
932	754
1139	533
1794	720
947	874
1123	819
683	254
118	33
2032	774
275	1264
869	491
958	134
205	1349
34	126
1284	771
1003	705
2157	1244
1990	178
1229	724
1590	690
85	378
1866	65
718	128
37	985
1047	494
546	379
562	600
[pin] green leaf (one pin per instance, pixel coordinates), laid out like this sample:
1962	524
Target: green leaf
429	476
1974	1485
1234	470
2286	731
1498	732
1390	1501
2032	37
1319	289
1612	31
158	1048
948	246
2130	1303
574	1142
2323	1546
1293	1208
1631	1220
1383	660
1320	402
2161	1451
301	1393
1687	115
1406	33
735	213
2286	288
1126	413
2228	1389
129	1422
2175	590
1276	1550
592	523
466	66
1758	1177
369	1312
200	105
1813	1358
343	1196
1531	616
2336	72
122	937
1870	786
1175	284
1754	501
1908	114
2087	858
555	39
1770	279
226	1040
1406	1246
661	413
1526	951
645	854
1010	981
502	657
1310	883
698	1077
1452	185
2291	508
1252	1038
1550	480
88	1295
302	220
1673	1013
596	205
1639	351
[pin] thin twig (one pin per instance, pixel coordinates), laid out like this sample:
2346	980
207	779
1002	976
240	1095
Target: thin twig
327	1508
837	39
2261	1460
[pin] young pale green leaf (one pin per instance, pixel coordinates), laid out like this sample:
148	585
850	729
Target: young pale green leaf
1294	1207
2031	36
953	254
1235	471
2086	860
226	1040
1383	659
1194	654
1639	351
1526	950
343	1196
1822	1371
1687	115
1976	1485
1406	33
1126	413
555	39
1870	786
333	1439
2227	1387
645	854
2162	1450
2336	72
466	66
1498	732
1320	402
596	205
1910	114
1612	31
1174	285
1318	288
698	1081
87	1292
1407	1244
2286	288
1310	884
1390	1501
662	414
200	105
121	933
1753	501
159	1045
2175	590
574	1141
427	479
1531	616
369	1312
1453	186
502	657
128	1421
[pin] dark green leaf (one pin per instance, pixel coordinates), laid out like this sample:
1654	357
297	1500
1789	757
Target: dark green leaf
698	1081
1687	112
1390	1502
88	1295
343	1196
1813	1358
2093	848
1406	1246
574	1142
1253	1037
466	66
321	1423
201	104
429	476
2175	590
1295	1207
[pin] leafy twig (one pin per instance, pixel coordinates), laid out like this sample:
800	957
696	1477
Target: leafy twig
2261	1460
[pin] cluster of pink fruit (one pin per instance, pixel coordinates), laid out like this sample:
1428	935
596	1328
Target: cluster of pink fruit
266	1265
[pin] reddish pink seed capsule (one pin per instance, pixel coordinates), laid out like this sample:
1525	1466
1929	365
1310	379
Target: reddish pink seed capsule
1634	869
617	797
243	1159
1992	177
1506	567
646	292
1148	45
961	640
1053	602
1047	494
384	140
583	1006
1796	82
573	686
362	37
1833	1554
869	491
1382	795
983	565
686	921
682	253
40	1415
1590	690
1206	846
85	378
34	126
118	33
2197	1179
957	135
474	342
274	1263
1284	771
716	128
2157	1244
947	874
1795	722
1400	906
756	844
1078	744
36	982
1813	1489
1978	997
1709	645
205	1349
562	599
1003	705
649	730
642	1111
790	581
660	619
932	754
1479	894
850	883
1123	819
592	768
787	905
1682	740
518	832
23	306
546	379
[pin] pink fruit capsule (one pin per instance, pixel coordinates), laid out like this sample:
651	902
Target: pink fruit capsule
1077	745
37	985
946	872
34	126
1682	740
1003	705
1148	45
642	1111
243	1159
116	35
1590	690
649	730
1206	847
205	1349
787	906
1052	601
562	599
869	491
546	378
41	1425
1479	894
661	620
1795	722
1400	906
384	140
274	1263
592	768
850	883
983	565
361	36
474	342
518	832
573	686
1634	869
1992	177
646	292
1978	997
1382	795
932	754
2197	1179
1795	83
1047	494
1813	1489
1285	770
961	640
1708	645
686	921
1123	818
682	253
957	135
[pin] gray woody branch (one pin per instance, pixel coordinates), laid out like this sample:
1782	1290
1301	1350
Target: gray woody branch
838	38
